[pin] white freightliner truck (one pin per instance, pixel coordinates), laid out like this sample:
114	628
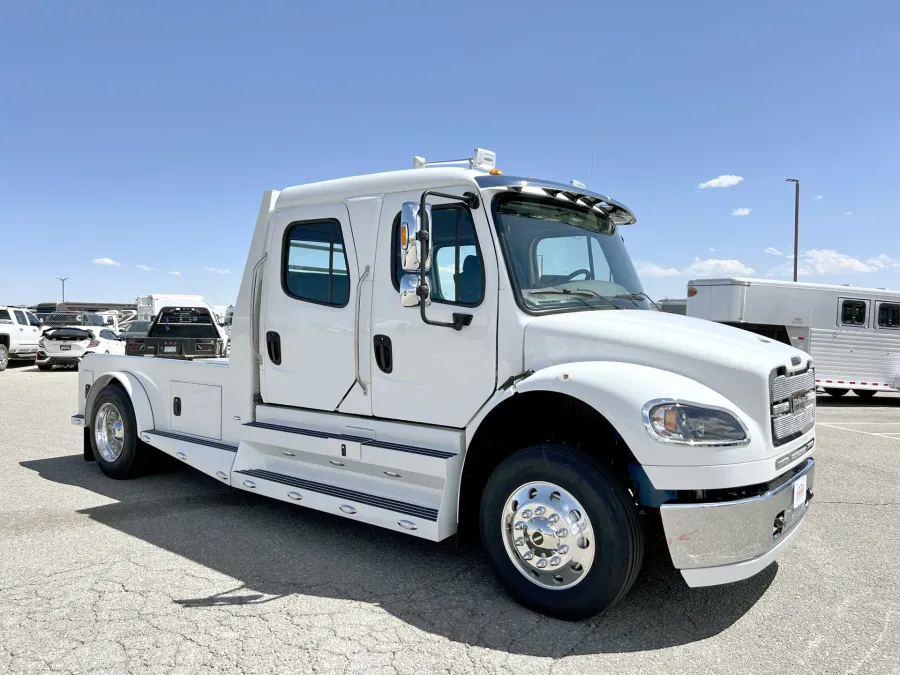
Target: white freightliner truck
446	348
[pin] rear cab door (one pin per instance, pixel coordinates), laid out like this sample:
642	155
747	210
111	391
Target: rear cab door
28	335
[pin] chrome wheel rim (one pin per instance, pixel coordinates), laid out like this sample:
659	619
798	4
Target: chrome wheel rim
4	357
548	535
109	431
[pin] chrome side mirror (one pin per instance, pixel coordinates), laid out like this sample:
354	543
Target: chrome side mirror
409	296
411	249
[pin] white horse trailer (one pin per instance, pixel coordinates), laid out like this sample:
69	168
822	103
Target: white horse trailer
852	333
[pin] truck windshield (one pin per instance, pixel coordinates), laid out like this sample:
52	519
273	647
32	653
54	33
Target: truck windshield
563	256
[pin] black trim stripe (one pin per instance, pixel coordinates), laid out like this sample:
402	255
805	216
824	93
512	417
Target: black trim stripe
192	439
351	495
428	452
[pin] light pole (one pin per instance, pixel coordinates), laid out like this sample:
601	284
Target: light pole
63	280
796	183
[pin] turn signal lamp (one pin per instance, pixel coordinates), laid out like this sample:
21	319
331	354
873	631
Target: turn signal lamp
692	291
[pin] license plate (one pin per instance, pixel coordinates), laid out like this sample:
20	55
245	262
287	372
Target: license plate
798	402
65	348
169	350
799	492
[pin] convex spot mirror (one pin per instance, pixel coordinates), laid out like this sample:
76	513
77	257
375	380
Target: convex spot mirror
408	294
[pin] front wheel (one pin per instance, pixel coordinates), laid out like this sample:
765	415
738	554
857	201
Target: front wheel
560	532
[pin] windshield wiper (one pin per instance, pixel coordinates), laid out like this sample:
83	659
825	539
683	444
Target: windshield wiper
641	294
577	292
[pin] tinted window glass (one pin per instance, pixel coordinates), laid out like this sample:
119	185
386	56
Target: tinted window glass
20	318
888	315
108	335
314	266
853	313
32	319
4	315
457	273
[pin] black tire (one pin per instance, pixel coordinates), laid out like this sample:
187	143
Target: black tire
865	393
837	393
45	366
4	357
130	462
618	533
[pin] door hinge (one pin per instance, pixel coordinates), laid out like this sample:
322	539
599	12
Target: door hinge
515	379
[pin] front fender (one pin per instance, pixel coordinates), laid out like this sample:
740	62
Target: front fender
143	412
619	392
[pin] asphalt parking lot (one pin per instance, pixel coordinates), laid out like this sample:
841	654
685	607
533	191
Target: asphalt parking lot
175	573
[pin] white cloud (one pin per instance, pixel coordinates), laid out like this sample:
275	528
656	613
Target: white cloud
650	269
724	181
145	268
218	270
848	213
742	211
175	273
713	267
712	250
771	250
817	197
880	262
106	261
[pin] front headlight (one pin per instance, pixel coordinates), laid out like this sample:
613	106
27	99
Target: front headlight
683	423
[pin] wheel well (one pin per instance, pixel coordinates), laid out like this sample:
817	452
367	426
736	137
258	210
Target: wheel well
551	418
4	340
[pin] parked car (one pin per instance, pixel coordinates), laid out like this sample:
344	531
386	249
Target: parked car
181	333
136	329
66	346
19	334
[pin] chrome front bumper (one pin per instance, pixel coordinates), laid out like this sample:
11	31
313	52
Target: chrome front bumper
728	534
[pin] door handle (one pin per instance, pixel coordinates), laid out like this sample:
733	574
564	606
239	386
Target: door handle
273	346
384	355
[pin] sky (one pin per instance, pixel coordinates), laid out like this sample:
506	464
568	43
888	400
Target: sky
136	139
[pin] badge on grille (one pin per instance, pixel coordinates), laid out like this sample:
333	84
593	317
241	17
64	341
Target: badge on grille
798	402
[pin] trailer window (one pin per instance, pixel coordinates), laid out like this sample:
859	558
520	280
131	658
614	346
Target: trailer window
314	263
853	313
888	315
457	273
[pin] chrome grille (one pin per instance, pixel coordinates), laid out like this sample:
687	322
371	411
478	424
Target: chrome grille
784	386
787	424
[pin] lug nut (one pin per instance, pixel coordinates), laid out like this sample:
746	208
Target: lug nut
520	525
554	517
554	561
526	514
528	555
562	533
539	511
563	549
542	563
520	541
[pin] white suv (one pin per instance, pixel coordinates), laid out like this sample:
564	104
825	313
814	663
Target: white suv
67	346
19	335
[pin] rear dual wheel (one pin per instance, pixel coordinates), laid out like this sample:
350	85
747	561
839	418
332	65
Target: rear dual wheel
560	532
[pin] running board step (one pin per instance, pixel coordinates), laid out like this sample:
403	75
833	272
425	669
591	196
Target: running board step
211	457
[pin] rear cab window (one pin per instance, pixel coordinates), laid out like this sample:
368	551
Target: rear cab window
314	265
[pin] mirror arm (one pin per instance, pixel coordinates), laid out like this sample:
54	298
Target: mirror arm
471	200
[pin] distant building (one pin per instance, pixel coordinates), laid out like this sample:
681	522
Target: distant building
89	307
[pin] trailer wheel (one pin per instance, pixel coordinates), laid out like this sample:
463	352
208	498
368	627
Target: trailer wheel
865	393
560	532
837	393
114	439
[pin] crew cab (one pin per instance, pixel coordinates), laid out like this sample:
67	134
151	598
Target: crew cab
449	350
19	335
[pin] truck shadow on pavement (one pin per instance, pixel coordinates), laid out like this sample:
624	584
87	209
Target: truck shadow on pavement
274	550
883	400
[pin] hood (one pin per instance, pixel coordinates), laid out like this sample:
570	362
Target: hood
731	361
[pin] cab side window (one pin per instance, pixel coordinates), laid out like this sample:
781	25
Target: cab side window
33	320
108	335
314	263
457	272
4	316
20	317
853	313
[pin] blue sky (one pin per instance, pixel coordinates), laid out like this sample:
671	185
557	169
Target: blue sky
145	133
